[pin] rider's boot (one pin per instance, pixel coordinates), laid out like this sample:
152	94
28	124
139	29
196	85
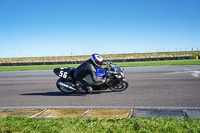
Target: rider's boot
89	90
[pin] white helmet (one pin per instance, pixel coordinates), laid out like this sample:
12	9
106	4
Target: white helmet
97	59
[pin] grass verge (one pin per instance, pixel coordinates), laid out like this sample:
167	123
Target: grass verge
121	64
159	63
84	125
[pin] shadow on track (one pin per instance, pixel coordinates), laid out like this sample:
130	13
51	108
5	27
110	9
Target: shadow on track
64	94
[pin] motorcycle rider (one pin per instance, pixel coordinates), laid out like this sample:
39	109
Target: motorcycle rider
88	68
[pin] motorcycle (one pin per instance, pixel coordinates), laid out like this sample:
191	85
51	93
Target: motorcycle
112	73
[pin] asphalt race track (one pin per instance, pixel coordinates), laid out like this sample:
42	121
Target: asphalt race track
164	86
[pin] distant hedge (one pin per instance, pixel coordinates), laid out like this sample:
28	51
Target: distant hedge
112	57
79	62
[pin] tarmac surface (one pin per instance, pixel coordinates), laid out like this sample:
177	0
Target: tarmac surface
169	91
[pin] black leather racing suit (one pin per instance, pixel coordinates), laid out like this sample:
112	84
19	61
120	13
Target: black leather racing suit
83	70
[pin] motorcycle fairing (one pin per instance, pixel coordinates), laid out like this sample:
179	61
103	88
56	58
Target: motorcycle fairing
64	72
100	72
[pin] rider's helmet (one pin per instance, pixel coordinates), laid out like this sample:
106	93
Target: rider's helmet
97	59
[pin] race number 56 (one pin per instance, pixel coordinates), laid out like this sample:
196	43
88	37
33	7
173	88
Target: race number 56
63	74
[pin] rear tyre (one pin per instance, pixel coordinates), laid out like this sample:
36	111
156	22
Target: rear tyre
64	89
121	86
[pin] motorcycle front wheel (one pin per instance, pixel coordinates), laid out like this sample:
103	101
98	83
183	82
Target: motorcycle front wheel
64	89
121	86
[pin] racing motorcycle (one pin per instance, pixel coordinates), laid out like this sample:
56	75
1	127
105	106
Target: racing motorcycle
112	73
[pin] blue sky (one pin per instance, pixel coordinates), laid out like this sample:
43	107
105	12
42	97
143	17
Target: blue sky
30	28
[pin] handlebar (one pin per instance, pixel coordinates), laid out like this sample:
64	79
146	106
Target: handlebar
115	73
111	72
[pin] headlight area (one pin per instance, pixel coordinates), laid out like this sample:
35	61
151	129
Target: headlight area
118	76
122	74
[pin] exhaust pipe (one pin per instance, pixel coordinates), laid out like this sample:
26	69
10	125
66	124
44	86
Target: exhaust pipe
67	86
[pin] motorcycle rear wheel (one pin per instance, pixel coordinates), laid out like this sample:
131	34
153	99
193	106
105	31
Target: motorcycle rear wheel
64	89
121	86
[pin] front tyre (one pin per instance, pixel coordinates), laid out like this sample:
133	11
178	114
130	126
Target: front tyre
121	86
64	89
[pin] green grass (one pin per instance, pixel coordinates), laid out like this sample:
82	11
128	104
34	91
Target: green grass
91	125
159	63
121	64
34	67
